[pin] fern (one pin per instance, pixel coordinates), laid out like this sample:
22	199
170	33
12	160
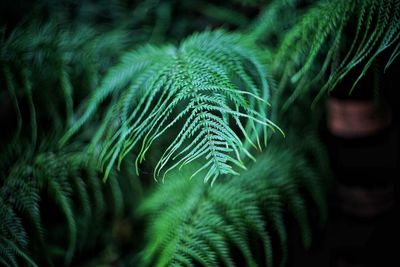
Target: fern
42	63
74	188
9	252
272	22
321	34
191	224
199	108
211	81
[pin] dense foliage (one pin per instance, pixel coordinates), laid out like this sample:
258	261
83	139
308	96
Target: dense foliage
98	97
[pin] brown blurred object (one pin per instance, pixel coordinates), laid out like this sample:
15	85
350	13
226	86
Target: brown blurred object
356	118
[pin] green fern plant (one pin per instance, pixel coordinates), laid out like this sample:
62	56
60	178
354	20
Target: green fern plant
199	108
345	34
41	64
211	81
68	181
191	224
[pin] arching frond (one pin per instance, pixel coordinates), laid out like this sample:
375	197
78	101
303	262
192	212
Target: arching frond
191	224
66	180
345	35
10	253
212	81
41	64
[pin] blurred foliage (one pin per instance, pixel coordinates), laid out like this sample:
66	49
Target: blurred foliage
191	224
46	192
334	39
88	83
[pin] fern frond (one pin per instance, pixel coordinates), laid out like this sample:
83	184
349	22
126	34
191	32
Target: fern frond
9	252
67	181
211	81
191	224
24	196
85	214
11	226
43	63
274	18
16	197
323	33
98	201
60	190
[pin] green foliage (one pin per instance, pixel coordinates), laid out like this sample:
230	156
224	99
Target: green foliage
191	223
212	80
199	108
66	180
275	18
333	38
45	68
42	63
